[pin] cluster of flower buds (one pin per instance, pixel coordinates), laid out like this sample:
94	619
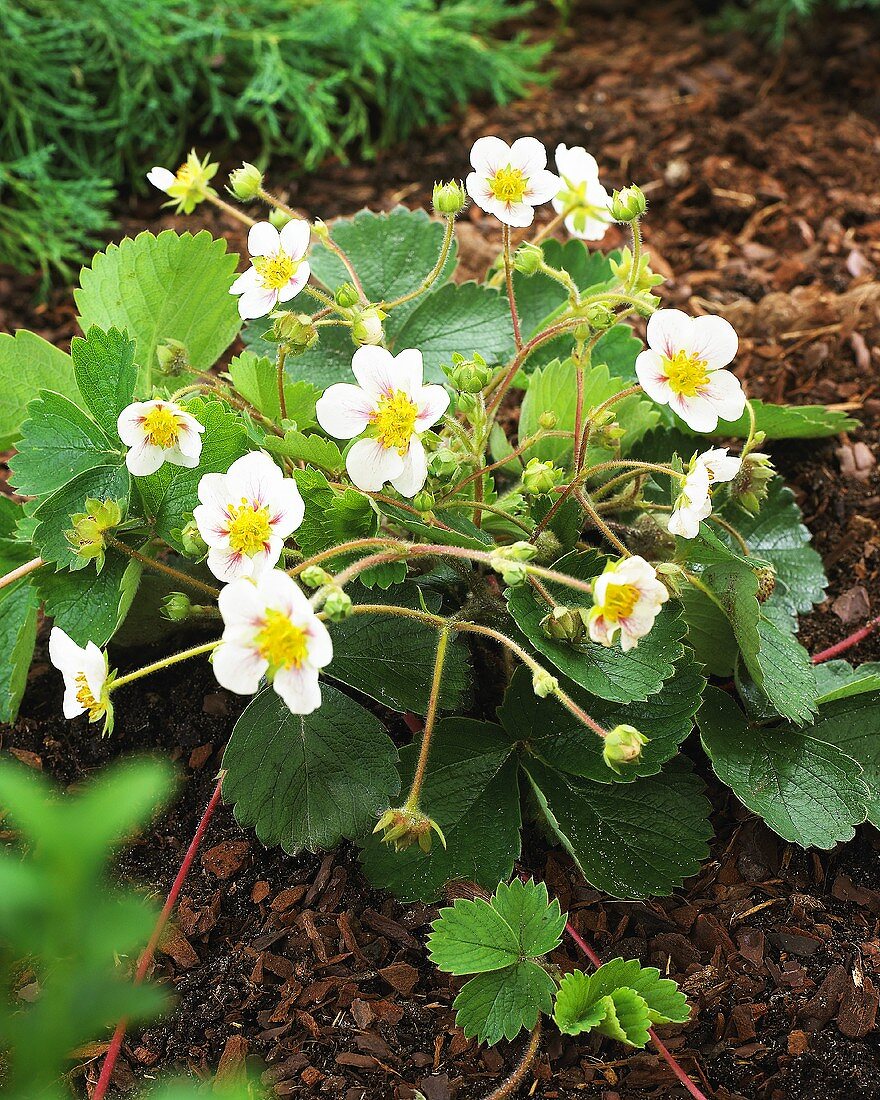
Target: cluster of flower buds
336	603
295	330
539	477
750	486
404	827
88	536
512	562
468	375
567	624
643	278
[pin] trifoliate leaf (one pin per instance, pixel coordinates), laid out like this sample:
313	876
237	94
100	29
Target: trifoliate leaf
804	787
28	364
58	441
499	1004
174	286
106	374
53	514
91	608
309	780
471	791
517	922
839	680
789	422
560	740
629	841
608	673
852	724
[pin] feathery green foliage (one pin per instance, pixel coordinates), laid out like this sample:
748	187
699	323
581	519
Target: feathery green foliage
775	18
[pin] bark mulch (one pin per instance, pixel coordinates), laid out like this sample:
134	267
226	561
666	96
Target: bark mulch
762	173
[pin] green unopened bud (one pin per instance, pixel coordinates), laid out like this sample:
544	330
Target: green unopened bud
295	330
246	182
346	296
540	477
443	462
404	826
511	562
194	546
468	375
173	357
177	607
320	230
566	624
628	204
313	576
367	326
548	545
750	486
337	605
528	259
449	199
88	535
543	684
622	745
600	317
279	218
423	501
548	420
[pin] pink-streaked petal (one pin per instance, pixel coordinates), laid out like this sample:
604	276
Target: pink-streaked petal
516	214
299	688
161	178
529	155
669	331
376	371
241	605
296	282
189	443
714	340
130	423
370	465
256	303
227	565
699	413
145	459
238	668
295	238
627	641
263	239
650	372
543	186
286	508
488	154
248	281
344	410
432	402
479	191
254	477
726	393
415	470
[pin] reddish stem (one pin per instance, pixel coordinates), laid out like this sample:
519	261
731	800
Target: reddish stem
853	639
147	957
662	1049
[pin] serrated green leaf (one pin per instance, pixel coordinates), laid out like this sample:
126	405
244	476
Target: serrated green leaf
839	680
156	288
608	673
331	516
313	449
561	741
499	1004
789	422
709	632
452	528
631	841
805	788
28	364
593	1003
852	724
472	793
255	378
169	496
58	441
106	375
517	922
19	605
787	675
87	607
383	575
309	781
53	514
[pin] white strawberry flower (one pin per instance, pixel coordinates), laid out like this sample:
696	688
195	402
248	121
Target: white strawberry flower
157	432
246	514
509	181
391	407
627	598
582	199
694	502
683	367
189	185
278	270
271	629
86	677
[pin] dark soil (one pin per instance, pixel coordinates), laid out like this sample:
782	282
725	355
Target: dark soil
762	171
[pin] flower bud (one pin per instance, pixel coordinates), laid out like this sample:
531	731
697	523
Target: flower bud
600	317
346	296
194	546
367	326
320	230
644	279
337	605
88	536
246	182
449	199
423	501
177	607
468	375
173	357
443	462
566	624
528	258
548	420
628	204
539	477
295	330
279	218
750	486
404	826
622	745
510	562
313	576
548	546
543	683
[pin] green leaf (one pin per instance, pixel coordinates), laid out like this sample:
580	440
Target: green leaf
19	604
328	361
169	495
709	632
517	922
106	374
560	740
839	680
787	676
630	841
28	364
58	441
608	673
89	607
499	1004
331	516
852	724
471	791
308	781
255	378
806	789
383	575
174	286
314	449
621	1014
53	515
456	529
789	422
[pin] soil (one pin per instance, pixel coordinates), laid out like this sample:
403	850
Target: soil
761	169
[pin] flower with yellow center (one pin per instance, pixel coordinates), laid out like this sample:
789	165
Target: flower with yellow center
86	678
189	185
627	598
157	432
582	200
509	181
278	270
271	629
683	367
245	515
390	407
694	503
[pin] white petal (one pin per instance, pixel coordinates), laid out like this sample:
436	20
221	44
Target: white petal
299	688
370	465
280	591
683	522
592	229
64	653
226	565
95	669
529	155
478	189
516	214
238	668
575	164
241	604
415	470
189	443
71	707
543	186
721	465
699	413
713	339
130	423
256	303
488	154
263	239
320	644
652	376
376	371
432	401
161	178
295	238
344	410
145	458
248	280
253	477
726	393
409	368
296	282
286	508
669	331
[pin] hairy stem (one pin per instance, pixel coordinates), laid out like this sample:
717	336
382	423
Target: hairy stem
228	208
412	799
282	400
511	297
166	662
509	1086
168	570
434	274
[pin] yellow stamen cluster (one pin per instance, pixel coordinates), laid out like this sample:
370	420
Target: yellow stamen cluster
686	373
508	184
620	601
161	427
86	699
250	529
395	420
281	643
276	271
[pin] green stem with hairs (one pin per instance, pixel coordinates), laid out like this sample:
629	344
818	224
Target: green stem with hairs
412	799
166	662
